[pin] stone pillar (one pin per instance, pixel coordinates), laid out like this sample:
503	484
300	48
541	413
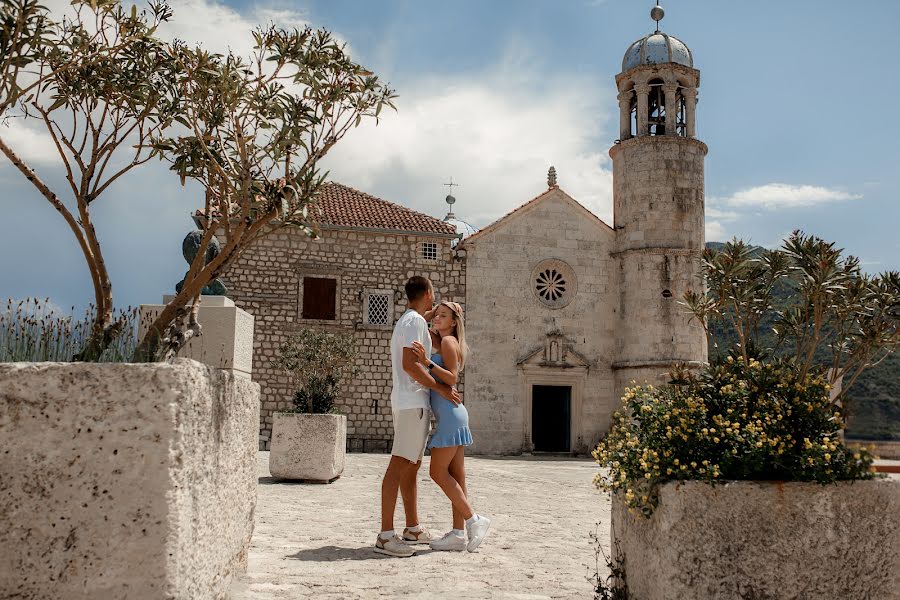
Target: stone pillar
643	99
671	91
625	114
690	109
226	341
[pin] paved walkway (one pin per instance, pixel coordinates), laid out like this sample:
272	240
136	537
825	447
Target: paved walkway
316	540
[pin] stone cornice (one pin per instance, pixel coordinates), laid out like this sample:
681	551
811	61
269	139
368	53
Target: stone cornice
664	362
657	139
659	250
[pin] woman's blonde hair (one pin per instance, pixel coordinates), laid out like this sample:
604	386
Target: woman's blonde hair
457	311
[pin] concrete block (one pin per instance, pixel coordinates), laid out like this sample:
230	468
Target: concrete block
766	540
308	446
226	341
125	480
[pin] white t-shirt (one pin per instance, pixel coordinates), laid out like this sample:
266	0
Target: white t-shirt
407	392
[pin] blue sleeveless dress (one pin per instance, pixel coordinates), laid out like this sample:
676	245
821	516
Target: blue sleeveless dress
452	420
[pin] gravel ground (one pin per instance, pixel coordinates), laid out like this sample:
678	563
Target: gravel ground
316	540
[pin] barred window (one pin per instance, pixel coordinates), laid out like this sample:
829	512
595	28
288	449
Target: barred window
378	307
428	251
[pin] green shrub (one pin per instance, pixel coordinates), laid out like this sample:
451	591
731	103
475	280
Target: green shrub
735	420
318	362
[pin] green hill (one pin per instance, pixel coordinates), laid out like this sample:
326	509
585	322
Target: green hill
874	398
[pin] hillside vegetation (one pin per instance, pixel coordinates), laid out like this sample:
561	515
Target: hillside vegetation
874	398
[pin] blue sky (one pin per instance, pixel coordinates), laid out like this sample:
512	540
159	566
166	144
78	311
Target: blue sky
797	105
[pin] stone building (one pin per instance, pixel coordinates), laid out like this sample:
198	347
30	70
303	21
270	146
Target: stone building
565	311
349	280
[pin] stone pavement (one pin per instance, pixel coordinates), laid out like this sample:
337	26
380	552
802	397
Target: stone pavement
316	540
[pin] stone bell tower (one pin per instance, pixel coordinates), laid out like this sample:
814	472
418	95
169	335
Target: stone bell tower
658	208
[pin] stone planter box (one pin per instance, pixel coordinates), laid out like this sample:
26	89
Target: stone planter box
125	480
308	447
762	540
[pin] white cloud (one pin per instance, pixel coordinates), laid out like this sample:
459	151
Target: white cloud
213	24
220	28
29	140
782	195
496	133
715	232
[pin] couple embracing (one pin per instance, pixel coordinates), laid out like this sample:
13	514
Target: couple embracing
426	364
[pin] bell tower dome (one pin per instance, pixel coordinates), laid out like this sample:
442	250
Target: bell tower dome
658	203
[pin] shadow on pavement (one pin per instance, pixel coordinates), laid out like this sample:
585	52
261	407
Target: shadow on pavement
329	553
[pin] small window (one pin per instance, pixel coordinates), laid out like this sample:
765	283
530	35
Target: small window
378	308
428	251
319	298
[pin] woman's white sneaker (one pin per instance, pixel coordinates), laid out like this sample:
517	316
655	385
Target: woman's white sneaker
451	541
477	531
393	546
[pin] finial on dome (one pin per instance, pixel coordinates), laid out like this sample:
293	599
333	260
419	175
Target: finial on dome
657	13
551	177
450	200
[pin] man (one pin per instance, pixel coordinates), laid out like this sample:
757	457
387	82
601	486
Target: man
411	409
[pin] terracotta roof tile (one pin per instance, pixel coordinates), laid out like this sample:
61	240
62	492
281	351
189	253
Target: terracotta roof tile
339	205
342	206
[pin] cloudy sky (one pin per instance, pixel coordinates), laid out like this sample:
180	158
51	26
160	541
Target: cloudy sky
797	105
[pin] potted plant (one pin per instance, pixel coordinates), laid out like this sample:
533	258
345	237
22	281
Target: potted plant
309	442
733	482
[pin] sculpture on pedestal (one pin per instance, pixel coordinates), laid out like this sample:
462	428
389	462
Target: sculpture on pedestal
189	248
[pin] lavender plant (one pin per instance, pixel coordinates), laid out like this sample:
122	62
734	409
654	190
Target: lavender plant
34	330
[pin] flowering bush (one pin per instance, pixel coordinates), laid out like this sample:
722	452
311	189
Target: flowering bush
735	420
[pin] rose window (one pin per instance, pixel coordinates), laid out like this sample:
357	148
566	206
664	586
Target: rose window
551	285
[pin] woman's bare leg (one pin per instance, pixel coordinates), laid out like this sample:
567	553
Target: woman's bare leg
458	472
440	473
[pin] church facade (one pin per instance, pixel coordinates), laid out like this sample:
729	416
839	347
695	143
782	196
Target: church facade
563	311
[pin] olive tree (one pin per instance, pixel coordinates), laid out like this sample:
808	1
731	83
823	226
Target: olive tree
106	88
805	301
256	129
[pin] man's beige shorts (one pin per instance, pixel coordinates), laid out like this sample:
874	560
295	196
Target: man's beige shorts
411	427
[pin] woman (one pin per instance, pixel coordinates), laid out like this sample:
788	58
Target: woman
452	434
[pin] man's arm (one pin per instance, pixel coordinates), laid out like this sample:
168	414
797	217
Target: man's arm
419	373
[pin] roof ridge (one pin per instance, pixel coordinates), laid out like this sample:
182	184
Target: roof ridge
492	226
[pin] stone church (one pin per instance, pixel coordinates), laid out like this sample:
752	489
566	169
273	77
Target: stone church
563	310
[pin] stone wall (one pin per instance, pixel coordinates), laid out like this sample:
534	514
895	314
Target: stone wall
125	481
267	282
509	326
763	540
